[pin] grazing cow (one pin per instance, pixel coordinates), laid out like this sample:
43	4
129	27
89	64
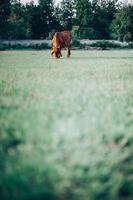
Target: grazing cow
60	40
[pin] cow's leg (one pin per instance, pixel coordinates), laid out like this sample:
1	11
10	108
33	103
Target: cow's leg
60	52
52	52
69	52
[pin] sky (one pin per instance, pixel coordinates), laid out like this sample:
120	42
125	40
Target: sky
26	1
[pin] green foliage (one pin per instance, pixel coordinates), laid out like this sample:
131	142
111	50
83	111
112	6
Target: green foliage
66	13
111	44
20	46
76	43
105	44
17	29
75	32
122	25
130	45
46	15
66	126
4	14
2	47
40	46
95	19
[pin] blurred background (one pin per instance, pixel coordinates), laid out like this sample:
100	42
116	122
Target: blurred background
87	19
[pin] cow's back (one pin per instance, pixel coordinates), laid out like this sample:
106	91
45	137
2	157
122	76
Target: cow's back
65	38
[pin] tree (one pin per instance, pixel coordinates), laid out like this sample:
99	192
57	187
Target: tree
122	25
17	22
84	17
57	19
67	13
35	23
94	18
105	16
5	6
45	14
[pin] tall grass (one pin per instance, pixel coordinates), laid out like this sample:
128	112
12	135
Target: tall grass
66	125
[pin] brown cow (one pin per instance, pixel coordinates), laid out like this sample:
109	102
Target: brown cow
61	40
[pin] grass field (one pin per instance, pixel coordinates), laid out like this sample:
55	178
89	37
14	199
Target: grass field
66	125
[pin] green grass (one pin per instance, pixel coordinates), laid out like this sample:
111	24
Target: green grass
66	125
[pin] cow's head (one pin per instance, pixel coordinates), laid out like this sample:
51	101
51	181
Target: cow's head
56	52
56	48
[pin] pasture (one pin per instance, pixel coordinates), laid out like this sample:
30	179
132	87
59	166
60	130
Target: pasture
66	125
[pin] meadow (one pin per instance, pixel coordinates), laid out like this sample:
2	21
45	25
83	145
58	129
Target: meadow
66	127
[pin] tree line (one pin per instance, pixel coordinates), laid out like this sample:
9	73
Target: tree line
88	19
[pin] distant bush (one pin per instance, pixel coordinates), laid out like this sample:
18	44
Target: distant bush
105	44
2	47
40	46
21	46
89	33
130	45
76	43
